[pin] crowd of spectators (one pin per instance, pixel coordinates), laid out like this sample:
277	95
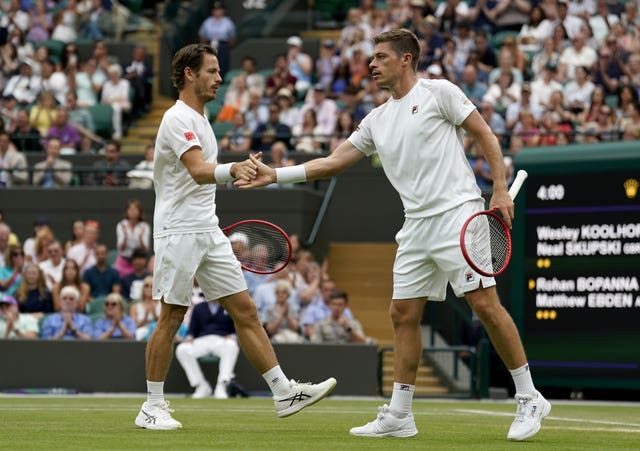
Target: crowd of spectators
83	290
546	72
48	90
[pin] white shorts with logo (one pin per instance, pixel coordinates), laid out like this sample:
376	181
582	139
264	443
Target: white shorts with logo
429	256
207	256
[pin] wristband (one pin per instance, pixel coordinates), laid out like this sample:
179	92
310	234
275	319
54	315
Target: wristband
291	174
222	173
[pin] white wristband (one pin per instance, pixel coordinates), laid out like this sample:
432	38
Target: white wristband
222	173
291	174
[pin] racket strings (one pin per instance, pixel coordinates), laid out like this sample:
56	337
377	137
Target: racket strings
264	248
487	243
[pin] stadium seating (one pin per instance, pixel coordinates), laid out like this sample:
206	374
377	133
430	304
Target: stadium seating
102	114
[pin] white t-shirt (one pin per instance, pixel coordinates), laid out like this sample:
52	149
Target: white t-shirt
419	141
49	269
183	206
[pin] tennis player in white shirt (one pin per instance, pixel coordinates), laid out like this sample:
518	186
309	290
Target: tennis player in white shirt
189	243
418	135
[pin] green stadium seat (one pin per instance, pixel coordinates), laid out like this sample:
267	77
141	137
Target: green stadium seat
213	109
230	75
95	306
102	114
221	128
55	48
498	38
111	257
611	100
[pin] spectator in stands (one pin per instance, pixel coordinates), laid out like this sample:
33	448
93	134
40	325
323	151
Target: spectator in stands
603	129
219	31
280	78
504	92
546	57
354	26
577	92
578	54
590	113
238	139
602	21
256	111
337	328
88	82
556	103
278	155
32	293
65	22
132	282
627	95
255	80
13	324
10	61
54	81
288	111
282	322
71	277
53	172
512	113
101	277
553	132
327	62
358	67
97	22
112	170
41	227
53	266
11	272
344	127
236	99
211	332
69	57
43	114
526	132
608	70
146	311
308	136
570	22
115	324
79	117
506	63
471	87
449	13
320	308
268	132
24	86
630	124
68	324
41	22
132	232
544	85
77	234
141	176
13	163
84	253
115	92
325	108
533	34
491	117
341	78
487	59
5	238
139	73
300	65
560	40
67	134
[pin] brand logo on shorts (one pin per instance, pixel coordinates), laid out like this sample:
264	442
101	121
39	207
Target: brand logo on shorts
469	277
414	109
190	136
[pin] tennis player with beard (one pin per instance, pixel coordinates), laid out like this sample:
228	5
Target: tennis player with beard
418	135
189	243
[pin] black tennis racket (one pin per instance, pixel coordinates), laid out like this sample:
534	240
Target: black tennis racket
485	238
260	246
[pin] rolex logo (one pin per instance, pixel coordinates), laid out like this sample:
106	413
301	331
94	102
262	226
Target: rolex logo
631	188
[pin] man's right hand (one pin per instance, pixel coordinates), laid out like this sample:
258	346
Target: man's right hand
265	175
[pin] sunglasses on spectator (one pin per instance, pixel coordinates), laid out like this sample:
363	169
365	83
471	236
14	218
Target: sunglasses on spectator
111	304
17	254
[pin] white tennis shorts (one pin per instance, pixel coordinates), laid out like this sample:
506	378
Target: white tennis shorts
207	256
429	256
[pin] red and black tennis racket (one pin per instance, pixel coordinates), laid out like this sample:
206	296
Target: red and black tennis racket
260	246
485	238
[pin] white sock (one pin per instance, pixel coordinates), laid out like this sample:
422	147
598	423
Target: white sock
522	380
401	399
155	392
277	381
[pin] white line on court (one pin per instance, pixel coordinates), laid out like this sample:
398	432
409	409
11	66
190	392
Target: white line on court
574	420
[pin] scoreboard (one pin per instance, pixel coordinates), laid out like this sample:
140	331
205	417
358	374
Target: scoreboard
576	265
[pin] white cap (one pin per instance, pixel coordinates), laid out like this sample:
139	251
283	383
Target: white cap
434	69
239	236
294	40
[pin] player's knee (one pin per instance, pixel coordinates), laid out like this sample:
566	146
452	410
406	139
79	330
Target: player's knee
401	316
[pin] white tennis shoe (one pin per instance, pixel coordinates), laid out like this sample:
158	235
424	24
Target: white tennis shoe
387	424
302	395
530	412
157	417
202	391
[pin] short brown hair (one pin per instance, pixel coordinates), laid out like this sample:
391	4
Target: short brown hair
188	56
402	41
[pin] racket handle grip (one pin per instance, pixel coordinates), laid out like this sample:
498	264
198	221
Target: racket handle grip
521	176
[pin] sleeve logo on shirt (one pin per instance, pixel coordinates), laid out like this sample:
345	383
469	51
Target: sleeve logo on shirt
190	136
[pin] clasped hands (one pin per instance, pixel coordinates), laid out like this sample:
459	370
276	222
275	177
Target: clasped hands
253	173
